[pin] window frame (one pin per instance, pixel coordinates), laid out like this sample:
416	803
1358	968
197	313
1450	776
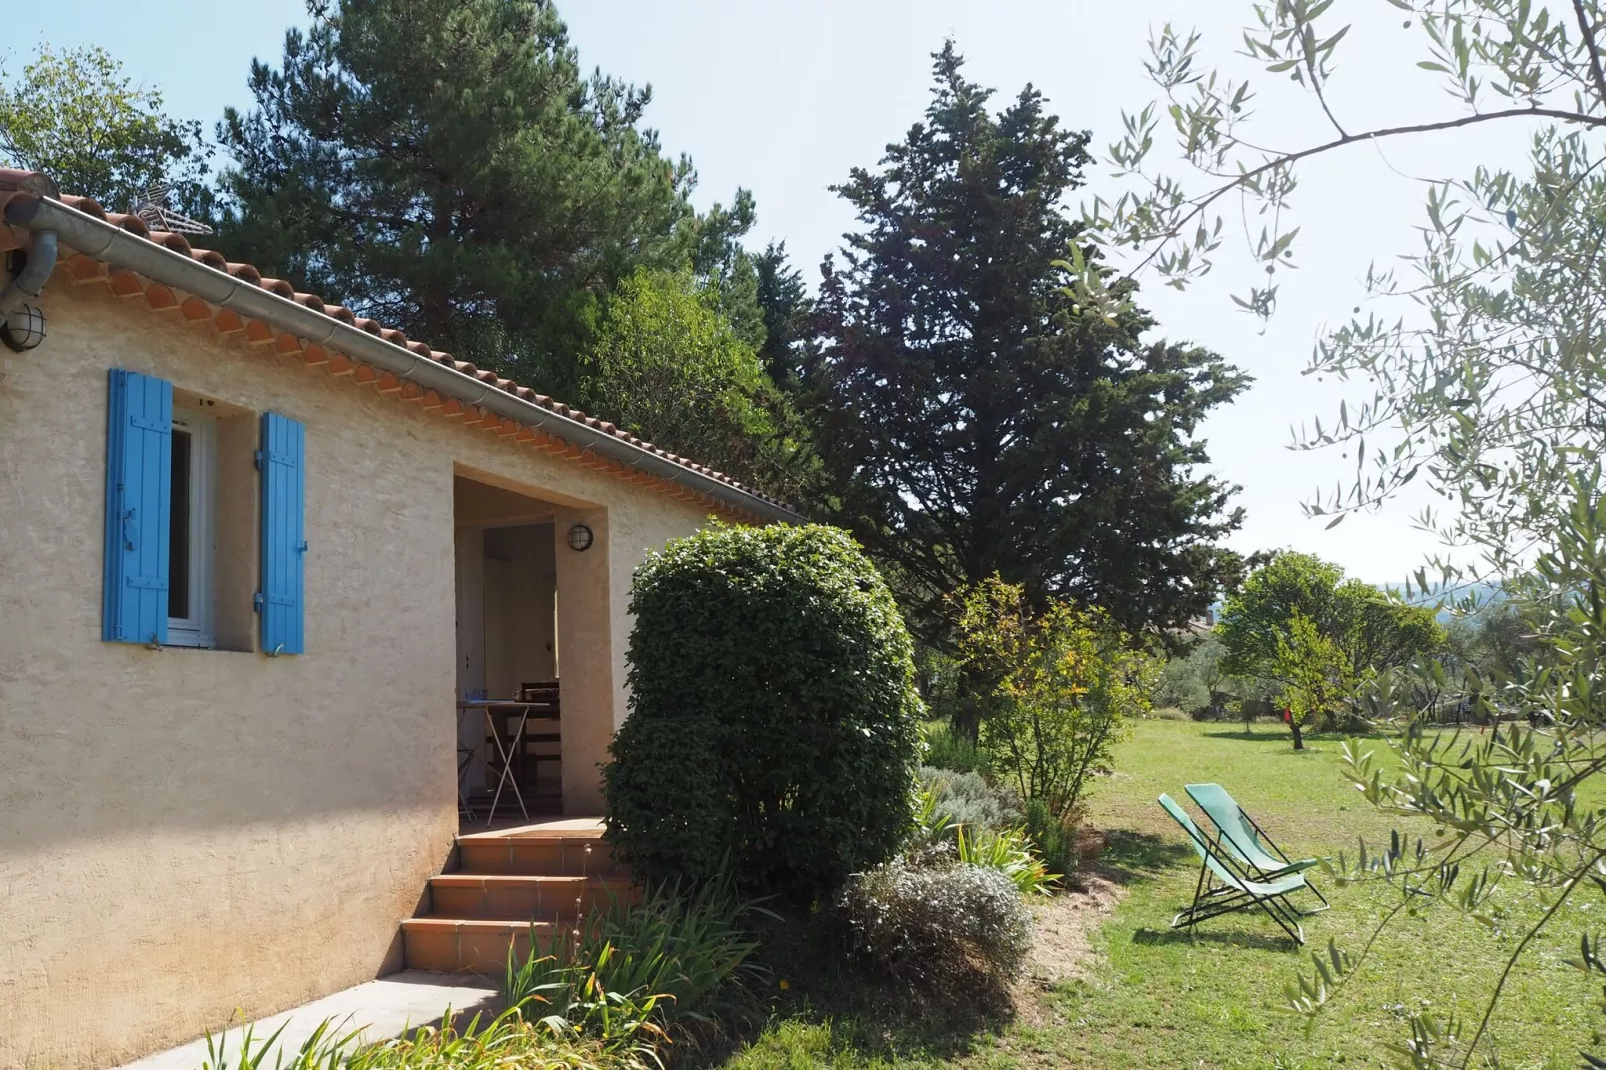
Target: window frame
196	630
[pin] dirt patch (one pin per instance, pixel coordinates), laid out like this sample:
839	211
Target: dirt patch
1061	941
1062	945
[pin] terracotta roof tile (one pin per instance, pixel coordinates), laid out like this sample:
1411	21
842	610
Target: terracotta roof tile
33	182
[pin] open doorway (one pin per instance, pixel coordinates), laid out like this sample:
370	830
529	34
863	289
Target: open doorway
510	747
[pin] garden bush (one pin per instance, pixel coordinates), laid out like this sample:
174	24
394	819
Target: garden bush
1067	681
774	722
967	799
936	927
1053	838
946	749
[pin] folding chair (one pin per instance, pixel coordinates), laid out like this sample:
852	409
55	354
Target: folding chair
1225	885
1244	837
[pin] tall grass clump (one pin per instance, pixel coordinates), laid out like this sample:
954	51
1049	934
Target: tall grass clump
1010	853
683	953
507	1041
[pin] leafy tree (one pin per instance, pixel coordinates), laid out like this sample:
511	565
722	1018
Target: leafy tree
74	115
1258	613
1180	684
1369	631
971	423
1497	637
727	270
1066	680
445	166
669	367
1195	682
1317	675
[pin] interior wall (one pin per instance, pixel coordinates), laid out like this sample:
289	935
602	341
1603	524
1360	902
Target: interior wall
470	546
519	596
506	620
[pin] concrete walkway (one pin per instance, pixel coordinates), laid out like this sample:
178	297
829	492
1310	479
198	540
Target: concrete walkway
382	1009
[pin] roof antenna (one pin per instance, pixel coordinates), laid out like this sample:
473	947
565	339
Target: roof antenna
152	208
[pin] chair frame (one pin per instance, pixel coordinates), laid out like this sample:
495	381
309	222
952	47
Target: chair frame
1213	898
1289	865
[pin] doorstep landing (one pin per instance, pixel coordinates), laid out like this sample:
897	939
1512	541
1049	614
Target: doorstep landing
382	1009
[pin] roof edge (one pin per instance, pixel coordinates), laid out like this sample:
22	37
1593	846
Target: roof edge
104	241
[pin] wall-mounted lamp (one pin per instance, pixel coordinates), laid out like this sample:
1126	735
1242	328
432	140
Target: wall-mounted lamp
23	328
580	537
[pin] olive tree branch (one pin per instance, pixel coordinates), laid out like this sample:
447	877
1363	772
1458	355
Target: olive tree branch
1289	158
1522	945
1588	33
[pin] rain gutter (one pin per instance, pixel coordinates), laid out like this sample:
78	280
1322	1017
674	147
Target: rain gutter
100	240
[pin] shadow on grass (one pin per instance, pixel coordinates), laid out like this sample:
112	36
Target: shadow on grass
875	1018
1238	938
1132	857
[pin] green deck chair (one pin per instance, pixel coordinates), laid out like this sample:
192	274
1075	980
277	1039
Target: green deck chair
1244	837
1225	885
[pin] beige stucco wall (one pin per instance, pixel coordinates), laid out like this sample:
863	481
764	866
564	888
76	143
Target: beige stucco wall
186	833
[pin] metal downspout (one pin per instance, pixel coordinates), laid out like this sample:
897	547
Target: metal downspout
32	278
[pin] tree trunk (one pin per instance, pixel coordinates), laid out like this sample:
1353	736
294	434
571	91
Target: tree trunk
1299	738
972	697
967	720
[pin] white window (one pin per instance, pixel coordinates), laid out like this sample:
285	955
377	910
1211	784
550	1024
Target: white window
192	531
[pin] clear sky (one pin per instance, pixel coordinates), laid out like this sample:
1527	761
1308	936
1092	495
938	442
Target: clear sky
784	98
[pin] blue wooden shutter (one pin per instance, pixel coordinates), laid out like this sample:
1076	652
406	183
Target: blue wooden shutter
284	545
139	475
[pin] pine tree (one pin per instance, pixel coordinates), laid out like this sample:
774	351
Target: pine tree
446	167
787	309
972	422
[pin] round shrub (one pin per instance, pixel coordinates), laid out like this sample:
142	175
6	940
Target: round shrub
937	926
774	722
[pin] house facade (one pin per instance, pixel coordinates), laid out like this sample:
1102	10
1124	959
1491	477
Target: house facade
254	551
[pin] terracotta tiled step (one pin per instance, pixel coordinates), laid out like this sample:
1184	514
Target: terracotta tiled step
471	945
547	855
474	895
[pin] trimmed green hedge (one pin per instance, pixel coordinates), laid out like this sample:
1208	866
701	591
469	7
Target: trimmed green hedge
774	720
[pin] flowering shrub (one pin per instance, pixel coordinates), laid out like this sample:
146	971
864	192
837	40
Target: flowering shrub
937	927
1064	682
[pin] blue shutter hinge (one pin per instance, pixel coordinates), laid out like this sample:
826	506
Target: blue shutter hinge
257	458
256	602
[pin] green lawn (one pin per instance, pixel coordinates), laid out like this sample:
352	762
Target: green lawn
1157	998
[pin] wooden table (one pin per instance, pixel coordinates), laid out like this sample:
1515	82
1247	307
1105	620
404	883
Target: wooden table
507	709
